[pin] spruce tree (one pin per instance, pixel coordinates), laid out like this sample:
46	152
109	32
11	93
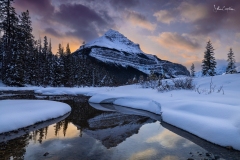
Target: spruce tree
8	25
33	66
14	59
209	63
1	56
50	64
192	70
40	63
45	61
59	67
27	44
231	68
68	67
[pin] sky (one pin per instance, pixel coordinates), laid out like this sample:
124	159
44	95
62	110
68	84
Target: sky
174	30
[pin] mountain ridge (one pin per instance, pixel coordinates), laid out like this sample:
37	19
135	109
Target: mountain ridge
114	40
113	49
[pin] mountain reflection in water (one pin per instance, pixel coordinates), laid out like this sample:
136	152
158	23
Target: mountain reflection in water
110	128
94	131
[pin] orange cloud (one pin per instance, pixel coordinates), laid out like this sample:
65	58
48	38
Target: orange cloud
146	154
170	158
192	12
166	139
165	16
185	12
180	48
176	41
139	20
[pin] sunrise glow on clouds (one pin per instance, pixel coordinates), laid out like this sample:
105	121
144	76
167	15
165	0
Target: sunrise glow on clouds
173	30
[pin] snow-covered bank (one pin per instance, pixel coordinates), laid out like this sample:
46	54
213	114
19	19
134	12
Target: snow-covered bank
125	110
21	132
214	117
15	114
128	101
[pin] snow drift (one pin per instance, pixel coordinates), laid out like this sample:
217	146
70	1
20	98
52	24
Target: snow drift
15	114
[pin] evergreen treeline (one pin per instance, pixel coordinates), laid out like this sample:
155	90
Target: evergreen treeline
27	61
209	63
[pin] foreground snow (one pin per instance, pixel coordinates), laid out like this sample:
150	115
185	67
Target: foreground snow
15	114
214	117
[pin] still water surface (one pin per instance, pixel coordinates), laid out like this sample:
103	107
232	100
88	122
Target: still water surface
117	133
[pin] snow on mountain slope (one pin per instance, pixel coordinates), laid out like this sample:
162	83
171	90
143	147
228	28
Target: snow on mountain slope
115	40
115	48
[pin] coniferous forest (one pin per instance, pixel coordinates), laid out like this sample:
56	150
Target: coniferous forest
25	60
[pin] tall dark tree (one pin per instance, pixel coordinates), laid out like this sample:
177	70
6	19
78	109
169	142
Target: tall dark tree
41	63
44	62
59	67
26	61
50	64
209	63
27	44
9	28
1	55
192	69
67	80
33	67
6	26
231	68
14	59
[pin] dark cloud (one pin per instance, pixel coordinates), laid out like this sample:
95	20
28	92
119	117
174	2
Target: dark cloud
201	15
39	7
85	22
123	4
53	32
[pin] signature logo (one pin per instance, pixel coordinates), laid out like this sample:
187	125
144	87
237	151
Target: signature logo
224	8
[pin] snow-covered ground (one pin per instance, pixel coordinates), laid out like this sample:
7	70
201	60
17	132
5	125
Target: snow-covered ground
214	117
221	68
15	114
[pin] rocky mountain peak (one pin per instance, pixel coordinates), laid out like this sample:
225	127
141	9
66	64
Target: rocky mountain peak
114	49
113	33
114	40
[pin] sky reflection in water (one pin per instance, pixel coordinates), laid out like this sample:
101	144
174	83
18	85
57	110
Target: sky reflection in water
151	142
92	134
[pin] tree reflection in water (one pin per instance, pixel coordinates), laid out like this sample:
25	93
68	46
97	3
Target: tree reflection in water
15	148
80	115
109	128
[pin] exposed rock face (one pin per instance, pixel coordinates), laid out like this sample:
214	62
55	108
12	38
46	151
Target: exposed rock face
116	51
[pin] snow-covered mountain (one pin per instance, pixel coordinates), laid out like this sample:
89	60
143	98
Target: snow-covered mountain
115	49
114	40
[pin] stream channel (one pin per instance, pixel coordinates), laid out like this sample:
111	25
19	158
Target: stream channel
105	132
